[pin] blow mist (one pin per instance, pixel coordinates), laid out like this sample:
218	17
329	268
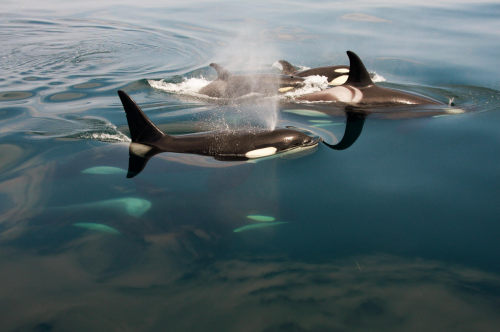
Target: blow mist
246	54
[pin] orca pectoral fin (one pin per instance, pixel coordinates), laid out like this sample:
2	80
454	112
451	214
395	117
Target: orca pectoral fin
358	75
288	68
354	126
222	73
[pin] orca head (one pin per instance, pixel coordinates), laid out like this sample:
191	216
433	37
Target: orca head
292	139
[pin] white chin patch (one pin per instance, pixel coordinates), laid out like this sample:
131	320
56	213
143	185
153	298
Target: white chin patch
342	70
261	152
339	80
140	149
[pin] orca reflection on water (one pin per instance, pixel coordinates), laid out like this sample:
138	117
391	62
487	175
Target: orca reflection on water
148	140
231	86
336	75
359	90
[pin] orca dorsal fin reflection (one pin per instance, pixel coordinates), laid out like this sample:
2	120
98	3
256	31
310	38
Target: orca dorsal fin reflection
354	126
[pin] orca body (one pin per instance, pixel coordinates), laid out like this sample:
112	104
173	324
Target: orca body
336	75
232	86
148	140
360	91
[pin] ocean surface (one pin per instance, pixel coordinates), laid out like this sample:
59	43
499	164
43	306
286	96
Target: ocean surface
399	232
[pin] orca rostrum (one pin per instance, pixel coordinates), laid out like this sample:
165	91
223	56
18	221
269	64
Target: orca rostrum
359	90
148	140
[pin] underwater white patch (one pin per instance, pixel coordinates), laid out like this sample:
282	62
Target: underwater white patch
257	226
261	152
342	70
133	206
304	112
188	86
261	218
97	227
104	170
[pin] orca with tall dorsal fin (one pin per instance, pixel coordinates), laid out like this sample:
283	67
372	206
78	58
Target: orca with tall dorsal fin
148	140
360	90
232	86
336	75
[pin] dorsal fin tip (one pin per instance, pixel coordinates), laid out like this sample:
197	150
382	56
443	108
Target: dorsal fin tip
358	75
222	73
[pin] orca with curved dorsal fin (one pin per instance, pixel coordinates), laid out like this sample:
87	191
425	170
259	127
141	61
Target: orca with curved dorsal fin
148	140
360	90
232	86
336	75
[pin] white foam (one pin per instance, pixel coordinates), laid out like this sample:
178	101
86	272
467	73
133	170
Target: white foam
376	77
188	86
311	84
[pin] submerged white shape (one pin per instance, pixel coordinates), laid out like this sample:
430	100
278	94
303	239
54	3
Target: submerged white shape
261	152
104	170
342	70
305	112
339	80
454	111
133	206
97	227
257	226
261	218
320	121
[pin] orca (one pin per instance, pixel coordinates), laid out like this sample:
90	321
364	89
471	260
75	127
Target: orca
336	75
360	91
148	140
231	86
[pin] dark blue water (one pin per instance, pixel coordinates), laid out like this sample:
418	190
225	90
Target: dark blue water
399	232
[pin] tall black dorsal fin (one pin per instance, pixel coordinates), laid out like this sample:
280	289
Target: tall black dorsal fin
358	75
288	68
141	128
222	73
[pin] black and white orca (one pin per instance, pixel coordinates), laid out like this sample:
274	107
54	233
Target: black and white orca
336	75
148	140
360	91
232	86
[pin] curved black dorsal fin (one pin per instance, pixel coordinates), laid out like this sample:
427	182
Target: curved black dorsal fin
222	73
288	68
358	75
141	128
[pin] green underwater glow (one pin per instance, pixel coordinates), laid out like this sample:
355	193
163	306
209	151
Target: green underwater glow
97	227
256	226
261	218
104	170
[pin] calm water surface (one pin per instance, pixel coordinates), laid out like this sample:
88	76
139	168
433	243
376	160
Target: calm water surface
400	232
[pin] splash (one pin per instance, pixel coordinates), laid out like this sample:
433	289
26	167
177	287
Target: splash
310	85
189	86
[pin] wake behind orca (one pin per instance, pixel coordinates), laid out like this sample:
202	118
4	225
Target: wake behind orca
359	90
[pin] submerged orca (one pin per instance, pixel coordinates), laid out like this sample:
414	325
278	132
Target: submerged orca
232	86
336	75
148	140
359	90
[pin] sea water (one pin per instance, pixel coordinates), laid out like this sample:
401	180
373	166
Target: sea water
399	232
